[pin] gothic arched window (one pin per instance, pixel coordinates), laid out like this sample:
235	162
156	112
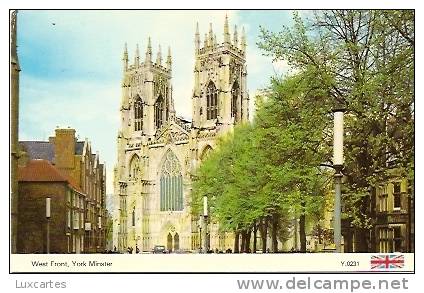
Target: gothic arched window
134	168
138	114
171	184
159	112
133	217
235	91
211	102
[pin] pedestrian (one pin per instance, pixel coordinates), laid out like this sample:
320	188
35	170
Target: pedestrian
137	250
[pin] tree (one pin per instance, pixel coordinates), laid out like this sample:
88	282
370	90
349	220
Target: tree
362	60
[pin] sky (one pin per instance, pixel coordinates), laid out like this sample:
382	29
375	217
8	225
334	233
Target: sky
71	65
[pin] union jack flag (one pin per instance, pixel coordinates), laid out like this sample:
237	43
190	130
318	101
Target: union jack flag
388	261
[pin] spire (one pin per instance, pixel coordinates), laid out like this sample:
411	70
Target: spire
159	57
125	58
243	40
169	59
149	52
205	42
137	57
235	36
226	30
197	37
210	41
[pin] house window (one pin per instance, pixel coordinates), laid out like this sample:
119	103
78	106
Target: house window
384	239
396	196
397	239
171	184
383	198
68	218
159	112
138	114
211	102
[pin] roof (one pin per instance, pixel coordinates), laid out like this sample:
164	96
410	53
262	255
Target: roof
44	171
45	150
39	150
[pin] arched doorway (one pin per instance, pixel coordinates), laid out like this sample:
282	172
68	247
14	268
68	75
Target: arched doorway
176	242
169	243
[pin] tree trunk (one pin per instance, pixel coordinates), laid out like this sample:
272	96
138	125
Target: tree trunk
255	230
302	228
236	241
274	220
243	241
248	234
264	230
302	232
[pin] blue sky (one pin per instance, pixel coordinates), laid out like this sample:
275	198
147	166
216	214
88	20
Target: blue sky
71	65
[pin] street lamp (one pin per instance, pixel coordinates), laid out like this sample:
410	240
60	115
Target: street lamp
205	223
338	166
200	224
48	210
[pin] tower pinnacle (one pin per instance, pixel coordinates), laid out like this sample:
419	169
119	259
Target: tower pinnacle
210	41
226	30
243	40
125	58
197	37
169	59
137	57
235	36
149	52
159	57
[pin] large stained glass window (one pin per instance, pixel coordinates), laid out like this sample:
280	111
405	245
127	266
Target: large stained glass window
171	184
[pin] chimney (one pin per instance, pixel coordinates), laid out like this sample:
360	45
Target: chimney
64	148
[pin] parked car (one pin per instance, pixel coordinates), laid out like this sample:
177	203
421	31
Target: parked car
159	249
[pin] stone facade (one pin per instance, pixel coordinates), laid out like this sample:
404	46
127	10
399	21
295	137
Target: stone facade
159	152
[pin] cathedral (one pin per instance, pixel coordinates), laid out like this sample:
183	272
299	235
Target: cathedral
158	151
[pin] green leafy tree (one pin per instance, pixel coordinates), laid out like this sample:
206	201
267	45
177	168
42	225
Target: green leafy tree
362	60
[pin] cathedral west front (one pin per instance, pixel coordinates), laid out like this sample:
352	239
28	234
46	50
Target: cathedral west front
158	151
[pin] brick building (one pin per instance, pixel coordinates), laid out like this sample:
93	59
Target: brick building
38	180
75	160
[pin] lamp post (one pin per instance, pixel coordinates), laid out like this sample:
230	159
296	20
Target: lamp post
48	199
205	224
338	166
200	223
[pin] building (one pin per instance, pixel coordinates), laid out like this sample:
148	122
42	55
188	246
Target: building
158	152
75	160
394	227
39	180
14	129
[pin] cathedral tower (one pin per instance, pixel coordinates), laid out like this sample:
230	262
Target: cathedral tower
146	93
220	96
